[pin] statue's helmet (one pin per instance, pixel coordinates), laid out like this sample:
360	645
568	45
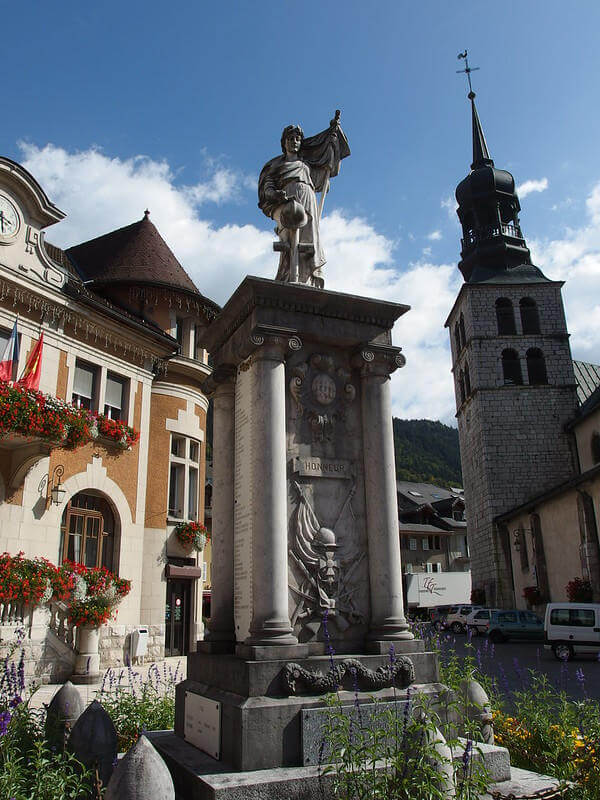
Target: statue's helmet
325	538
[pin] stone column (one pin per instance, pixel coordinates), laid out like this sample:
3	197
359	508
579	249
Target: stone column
270	621
222	629
385	568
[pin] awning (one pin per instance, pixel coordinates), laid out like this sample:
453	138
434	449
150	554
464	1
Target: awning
191	573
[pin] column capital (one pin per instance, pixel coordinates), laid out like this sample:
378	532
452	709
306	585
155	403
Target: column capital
378	360
271	342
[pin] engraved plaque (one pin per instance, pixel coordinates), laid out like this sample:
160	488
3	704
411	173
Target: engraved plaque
242	518
202	723
312	466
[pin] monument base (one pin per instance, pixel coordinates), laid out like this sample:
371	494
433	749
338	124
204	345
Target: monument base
262	704
197	776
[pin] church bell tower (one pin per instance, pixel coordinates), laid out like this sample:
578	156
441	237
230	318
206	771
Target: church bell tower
513	374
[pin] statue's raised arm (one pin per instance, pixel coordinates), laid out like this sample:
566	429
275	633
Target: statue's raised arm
287	192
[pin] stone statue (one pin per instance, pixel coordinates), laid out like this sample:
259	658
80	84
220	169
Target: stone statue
287	189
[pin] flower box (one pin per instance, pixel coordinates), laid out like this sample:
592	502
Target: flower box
192	535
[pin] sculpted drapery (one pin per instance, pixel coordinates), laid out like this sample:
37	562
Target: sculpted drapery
304	169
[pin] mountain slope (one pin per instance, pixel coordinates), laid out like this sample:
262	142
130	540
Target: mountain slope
427	451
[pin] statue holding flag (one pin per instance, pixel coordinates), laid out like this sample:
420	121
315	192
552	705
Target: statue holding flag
287	189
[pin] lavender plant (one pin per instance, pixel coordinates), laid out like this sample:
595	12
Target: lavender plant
394	748
29	768
137	704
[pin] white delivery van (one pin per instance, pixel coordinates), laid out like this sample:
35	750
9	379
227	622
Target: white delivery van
571	628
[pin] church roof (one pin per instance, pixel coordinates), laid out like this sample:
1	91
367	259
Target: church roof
523	273
588	379
136	254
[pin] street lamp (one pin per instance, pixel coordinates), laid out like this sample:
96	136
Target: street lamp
58	491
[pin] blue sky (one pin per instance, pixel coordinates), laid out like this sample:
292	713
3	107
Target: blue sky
119	106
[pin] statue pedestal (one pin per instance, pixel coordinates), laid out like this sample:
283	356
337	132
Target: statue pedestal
305	539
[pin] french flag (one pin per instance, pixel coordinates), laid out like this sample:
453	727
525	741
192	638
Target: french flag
10	357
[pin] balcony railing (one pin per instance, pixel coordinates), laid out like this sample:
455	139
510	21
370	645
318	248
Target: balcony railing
477	235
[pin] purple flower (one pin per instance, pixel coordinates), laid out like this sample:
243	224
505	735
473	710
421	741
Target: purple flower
392	654
330	650
15	701
580	678
466	756
4	721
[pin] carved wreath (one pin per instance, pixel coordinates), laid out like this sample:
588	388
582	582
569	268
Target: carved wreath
401	673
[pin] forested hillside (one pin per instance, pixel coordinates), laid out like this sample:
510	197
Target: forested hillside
427	451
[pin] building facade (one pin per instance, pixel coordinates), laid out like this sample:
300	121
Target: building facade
554	535
513	373
433	529
120	319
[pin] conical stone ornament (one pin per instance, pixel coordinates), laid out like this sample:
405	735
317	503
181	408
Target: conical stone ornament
140	775
93	741
63	712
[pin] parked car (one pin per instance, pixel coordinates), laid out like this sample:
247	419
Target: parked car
456	618
514	624
478	621
571	628
437	614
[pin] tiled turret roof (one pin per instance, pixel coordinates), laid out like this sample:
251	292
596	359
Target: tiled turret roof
136	254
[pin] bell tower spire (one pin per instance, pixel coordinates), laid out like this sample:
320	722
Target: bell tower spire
481	155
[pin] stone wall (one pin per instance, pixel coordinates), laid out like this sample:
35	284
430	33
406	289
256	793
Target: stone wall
46	658
115	643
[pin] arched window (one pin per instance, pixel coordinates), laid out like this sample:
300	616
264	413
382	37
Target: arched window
461	326
596	447
88	532
505	316
461	386
530	320
467	381
457	338
511	367
536	366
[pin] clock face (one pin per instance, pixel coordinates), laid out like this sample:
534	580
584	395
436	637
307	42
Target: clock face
9	218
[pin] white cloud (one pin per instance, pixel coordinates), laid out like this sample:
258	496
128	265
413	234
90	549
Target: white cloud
527	187
450	204
435	236
100	193
575	258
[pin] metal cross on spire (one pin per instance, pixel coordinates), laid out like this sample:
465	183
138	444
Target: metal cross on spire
467	70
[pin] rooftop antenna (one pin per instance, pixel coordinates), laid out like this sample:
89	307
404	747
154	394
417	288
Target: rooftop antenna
467	70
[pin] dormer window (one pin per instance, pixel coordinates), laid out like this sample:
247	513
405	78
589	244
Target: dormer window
596	447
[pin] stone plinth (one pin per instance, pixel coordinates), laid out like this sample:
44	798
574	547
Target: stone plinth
261	720
305	485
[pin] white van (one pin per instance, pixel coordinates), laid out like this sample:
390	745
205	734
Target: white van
571	628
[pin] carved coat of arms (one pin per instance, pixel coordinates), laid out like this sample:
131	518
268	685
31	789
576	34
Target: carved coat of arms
322	391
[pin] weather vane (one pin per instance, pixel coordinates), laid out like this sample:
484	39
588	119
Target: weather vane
467	70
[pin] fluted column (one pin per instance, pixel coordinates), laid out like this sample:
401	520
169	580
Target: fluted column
222	627
385	568
270	621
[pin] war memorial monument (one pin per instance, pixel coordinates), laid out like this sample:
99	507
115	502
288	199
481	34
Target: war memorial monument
306	569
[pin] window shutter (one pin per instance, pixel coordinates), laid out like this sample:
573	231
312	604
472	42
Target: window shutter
83	383
114	392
